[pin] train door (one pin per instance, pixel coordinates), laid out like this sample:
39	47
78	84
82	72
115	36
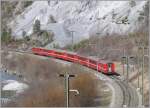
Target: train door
100	67
76	58
105	68
111	67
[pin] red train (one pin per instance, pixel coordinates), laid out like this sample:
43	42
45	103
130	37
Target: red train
102	66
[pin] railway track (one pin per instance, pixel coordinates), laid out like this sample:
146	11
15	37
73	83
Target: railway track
130	97
125	92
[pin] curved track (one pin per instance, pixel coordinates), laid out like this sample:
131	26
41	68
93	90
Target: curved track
130	96
128	93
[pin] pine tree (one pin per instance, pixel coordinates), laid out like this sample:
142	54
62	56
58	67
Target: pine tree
37	26
24	34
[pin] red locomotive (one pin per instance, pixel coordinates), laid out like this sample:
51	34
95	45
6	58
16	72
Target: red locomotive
101	66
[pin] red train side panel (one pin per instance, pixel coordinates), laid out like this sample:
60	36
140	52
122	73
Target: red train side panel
104	67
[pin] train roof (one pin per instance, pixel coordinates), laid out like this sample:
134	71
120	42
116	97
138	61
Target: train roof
99	59
70	52
59	50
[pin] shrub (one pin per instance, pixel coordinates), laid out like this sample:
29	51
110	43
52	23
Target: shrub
51	19
41	95
47	35
55	45
27	3
132	3
6	36
27	38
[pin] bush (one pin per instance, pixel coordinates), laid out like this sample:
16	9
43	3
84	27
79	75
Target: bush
47	35
125	20
6	36
51	19
81	44
41	95
27	38
27	3
77	46
55	45
132	3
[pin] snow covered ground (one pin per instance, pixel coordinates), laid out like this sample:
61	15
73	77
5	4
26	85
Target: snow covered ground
10	82
14	86
85	18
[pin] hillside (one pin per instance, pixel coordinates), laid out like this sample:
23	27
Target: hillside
84	18
106	30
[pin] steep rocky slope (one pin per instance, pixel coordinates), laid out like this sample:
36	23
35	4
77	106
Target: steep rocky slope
84	18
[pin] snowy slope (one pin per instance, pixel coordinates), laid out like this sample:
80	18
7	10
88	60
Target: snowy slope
85	18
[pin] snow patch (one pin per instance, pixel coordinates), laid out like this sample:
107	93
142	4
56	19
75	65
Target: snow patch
14	85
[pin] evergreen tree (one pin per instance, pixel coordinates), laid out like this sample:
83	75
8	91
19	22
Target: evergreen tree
37	26
6	36
24	34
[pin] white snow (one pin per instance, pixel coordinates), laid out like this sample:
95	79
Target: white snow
14	85
80	17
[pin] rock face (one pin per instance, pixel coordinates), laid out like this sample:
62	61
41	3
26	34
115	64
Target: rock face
84	18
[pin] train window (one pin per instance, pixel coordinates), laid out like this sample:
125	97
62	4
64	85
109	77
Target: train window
70	55
93	61
50	51
58	53
46	50
100	64
76	56
109	64
82	58
39	49
43	50
109	67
